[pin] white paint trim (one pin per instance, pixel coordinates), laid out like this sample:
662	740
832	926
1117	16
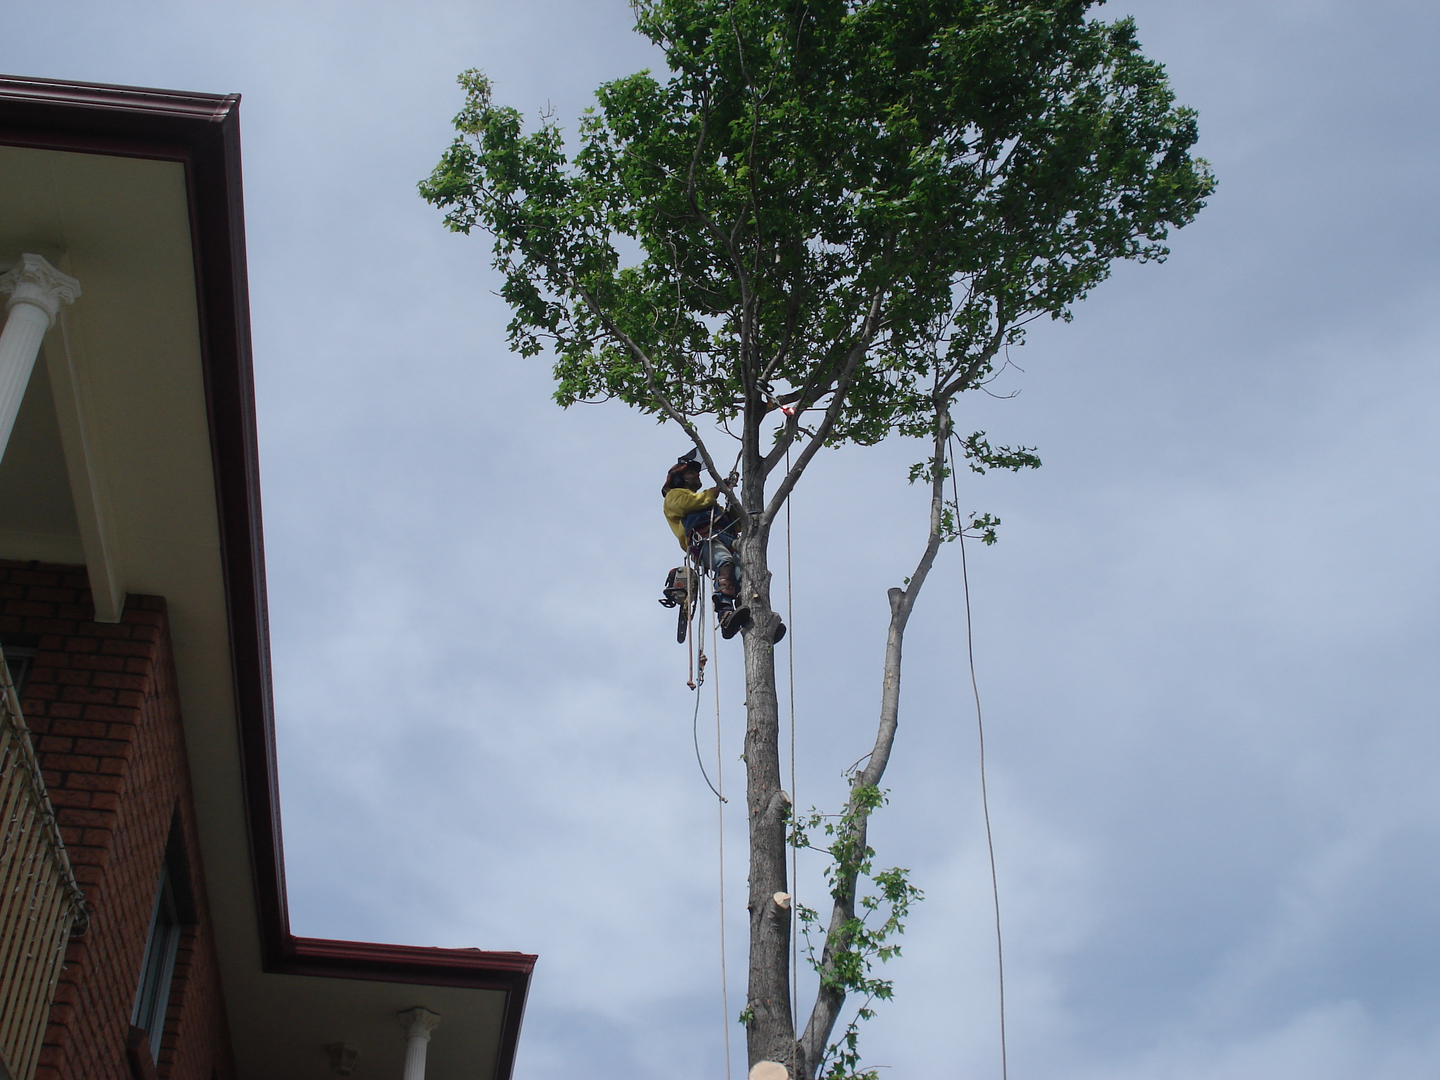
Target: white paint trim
85	465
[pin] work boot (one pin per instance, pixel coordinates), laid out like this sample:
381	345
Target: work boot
733	620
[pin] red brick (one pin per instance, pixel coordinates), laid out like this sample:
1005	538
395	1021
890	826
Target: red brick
65	992
109	713
72	762
94	782
88	695
93	819
60	627
66	797
99	663
50	744
34	577
79	728
50	594
87	856
118	839
29	609
107	630
128	648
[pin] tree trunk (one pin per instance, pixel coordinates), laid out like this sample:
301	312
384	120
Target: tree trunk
770	1029
770	1024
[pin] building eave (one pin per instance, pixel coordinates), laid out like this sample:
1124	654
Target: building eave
202	132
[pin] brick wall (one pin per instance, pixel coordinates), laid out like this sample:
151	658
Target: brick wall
105	718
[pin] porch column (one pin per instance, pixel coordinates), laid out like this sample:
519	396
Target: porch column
418	1025
36	290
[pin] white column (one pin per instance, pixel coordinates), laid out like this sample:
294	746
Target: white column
418	1025
36	290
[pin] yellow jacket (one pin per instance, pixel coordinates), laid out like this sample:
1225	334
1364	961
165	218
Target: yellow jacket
680	501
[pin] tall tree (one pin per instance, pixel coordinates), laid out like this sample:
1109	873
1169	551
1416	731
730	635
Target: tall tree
825	223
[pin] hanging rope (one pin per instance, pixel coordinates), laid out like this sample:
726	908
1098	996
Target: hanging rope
794	800
720	820
984	794
695	720
690	641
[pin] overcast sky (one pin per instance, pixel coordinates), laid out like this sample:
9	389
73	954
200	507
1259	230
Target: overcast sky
1206	640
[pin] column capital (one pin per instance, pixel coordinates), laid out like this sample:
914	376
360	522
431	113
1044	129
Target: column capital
34	281
419	1022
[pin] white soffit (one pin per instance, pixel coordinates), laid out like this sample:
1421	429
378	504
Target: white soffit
123	368
110	465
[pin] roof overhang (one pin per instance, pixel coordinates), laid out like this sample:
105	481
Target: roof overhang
138	194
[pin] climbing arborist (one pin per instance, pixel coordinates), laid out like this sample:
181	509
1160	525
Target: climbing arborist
707	531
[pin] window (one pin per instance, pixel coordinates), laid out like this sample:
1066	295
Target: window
19	655
174	906
154	995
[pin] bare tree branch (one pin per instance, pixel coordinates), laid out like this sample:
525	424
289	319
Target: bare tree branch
837	402
830	998
661	398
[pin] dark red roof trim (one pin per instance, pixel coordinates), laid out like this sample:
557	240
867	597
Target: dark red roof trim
203	132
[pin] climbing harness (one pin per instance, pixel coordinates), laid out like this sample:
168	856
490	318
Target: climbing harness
682	584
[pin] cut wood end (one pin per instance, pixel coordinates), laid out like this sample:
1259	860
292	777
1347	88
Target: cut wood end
782	900
769	1070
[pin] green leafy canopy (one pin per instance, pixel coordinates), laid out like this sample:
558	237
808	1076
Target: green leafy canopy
848	206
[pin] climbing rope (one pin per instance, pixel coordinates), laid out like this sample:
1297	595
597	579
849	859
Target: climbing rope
720	825
794	801
984	794
695	685
690	638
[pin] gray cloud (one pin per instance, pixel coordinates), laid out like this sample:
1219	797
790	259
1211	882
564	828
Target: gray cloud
1206	641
